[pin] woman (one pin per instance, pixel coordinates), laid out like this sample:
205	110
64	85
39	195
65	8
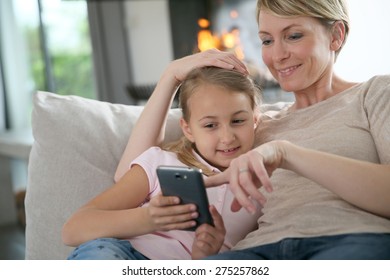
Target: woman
328	154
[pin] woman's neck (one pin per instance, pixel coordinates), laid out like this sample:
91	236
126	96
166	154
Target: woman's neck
320	92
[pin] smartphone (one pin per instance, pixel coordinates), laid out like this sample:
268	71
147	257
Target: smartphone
187	184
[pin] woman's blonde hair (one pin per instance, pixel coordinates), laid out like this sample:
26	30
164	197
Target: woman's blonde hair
230	80
326	11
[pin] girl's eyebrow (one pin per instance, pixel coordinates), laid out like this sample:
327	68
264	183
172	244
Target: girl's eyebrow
214	117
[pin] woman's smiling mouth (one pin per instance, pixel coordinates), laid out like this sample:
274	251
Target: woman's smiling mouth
287	71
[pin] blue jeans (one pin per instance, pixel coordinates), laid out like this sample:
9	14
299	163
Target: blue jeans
365	246
106	249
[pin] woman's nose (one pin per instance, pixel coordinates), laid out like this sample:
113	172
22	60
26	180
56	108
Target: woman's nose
280	51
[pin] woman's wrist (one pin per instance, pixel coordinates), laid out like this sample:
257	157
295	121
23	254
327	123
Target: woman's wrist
283	151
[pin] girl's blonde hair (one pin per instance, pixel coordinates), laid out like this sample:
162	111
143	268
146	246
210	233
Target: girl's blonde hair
230	80
326	11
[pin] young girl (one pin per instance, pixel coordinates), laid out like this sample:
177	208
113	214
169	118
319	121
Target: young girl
132	220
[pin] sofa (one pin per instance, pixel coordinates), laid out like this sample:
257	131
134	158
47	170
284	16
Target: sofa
77	145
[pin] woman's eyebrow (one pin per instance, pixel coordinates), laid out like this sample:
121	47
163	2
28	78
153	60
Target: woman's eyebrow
283	30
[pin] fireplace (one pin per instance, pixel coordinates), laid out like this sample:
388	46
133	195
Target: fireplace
224	24
229	25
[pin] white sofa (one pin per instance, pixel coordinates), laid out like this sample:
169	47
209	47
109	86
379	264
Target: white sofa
77	145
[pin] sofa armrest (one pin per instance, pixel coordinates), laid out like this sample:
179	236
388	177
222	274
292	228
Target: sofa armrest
77	145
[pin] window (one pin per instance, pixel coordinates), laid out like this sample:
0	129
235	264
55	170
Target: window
65	47
46	46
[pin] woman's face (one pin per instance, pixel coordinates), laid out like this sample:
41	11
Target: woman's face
298	51
221	124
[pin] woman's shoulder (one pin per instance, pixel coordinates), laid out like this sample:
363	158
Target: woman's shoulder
271	111
377	87
377	81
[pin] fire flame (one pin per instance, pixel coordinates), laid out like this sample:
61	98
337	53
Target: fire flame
206	40
227	41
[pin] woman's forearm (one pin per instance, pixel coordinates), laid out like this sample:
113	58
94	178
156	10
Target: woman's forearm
364	184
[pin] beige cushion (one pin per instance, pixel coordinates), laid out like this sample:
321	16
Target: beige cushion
78	144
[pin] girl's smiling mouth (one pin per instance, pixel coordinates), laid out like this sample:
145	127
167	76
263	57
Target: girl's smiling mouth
228	151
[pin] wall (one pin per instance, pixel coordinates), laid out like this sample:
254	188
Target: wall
149	36
366	52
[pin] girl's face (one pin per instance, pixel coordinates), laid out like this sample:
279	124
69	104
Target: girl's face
221	124
298	51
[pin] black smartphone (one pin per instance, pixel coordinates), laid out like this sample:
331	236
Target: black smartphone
187	184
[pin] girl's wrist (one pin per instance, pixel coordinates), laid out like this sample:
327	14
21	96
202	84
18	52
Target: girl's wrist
148	223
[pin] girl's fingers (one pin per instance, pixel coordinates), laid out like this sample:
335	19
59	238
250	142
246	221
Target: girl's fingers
165	214
217	219
160	201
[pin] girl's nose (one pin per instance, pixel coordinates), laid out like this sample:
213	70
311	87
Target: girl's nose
227	136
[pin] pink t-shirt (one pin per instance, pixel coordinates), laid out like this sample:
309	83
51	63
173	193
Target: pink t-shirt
177	244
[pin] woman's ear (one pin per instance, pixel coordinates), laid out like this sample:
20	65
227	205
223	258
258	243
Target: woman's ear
338	35
256	118
186	130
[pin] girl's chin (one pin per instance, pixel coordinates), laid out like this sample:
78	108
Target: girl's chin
220	167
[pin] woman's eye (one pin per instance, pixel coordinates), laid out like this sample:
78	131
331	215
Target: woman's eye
295	36
238	121
266	42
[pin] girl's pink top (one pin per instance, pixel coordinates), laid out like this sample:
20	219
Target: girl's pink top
177	244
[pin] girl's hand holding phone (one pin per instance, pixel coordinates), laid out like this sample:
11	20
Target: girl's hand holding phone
166	213
209	239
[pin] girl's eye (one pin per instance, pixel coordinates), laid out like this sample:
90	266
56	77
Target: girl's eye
209	125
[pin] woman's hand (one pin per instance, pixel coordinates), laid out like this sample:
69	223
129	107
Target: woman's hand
165	213
208	239
247	173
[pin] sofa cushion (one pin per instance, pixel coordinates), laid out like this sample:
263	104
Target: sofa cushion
77	145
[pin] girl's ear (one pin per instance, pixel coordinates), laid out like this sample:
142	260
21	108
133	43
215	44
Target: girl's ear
186	130
338	35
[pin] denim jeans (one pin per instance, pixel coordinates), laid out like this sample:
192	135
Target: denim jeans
106	249
365	246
